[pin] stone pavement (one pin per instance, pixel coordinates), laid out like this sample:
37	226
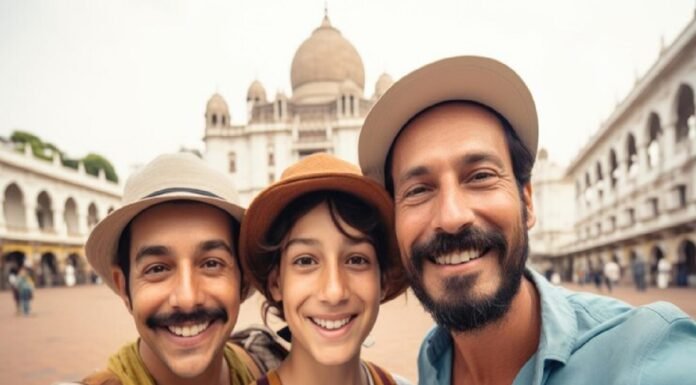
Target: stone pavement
74	330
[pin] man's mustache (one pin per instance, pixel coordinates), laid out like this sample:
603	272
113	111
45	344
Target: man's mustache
466	239
199	315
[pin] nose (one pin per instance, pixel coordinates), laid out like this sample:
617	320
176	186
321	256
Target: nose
187	293
454	210
334	288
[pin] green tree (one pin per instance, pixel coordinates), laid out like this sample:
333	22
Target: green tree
95	162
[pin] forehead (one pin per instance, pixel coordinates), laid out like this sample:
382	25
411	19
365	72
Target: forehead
448	128
318	222
165	221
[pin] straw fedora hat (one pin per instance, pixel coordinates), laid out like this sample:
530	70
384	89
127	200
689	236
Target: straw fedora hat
317	172
169	177
467	78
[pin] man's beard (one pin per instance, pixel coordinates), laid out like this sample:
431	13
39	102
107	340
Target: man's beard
460	309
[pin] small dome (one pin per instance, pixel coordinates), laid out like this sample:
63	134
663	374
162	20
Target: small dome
326	58
543	154
383	83
218	105
256	92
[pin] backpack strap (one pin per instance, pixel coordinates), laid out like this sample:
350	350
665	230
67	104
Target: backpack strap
379	375
247	360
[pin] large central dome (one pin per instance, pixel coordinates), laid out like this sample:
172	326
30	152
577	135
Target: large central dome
322	63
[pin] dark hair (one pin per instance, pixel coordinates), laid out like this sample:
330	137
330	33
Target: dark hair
124	242
522	159
353	211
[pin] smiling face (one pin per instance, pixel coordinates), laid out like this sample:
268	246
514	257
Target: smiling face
461	220
329	285
184	287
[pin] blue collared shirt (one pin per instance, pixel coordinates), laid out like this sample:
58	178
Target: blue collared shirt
589	339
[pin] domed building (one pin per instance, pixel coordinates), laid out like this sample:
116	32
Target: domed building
324	113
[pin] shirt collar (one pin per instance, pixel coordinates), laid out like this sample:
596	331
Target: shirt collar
559	325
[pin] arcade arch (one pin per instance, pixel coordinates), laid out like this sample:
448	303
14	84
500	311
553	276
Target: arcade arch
686	117
71	218
44	212
14	209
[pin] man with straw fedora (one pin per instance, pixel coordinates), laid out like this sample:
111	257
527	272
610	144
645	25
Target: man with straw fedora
170	253
454	142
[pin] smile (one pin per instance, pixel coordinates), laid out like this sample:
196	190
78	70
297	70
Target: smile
189	330
459	257
331	324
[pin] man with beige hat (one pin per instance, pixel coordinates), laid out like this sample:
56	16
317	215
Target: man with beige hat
454	143
170	253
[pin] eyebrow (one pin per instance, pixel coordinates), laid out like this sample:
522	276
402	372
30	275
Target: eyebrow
301	241
154	250
163	251
215	244
481	157
466	160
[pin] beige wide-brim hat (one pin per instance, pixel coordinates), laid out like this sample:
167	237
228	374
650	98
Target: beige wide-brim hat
467	78
170	177
317	172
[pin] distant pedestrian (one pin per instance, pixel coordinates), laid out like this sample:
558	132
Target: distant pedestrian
612	274
638	267
69	275
25	286
598	277
664	271
555	278
12	279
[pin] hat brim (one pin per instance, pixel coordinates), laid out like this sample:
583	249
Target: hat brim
102	244
266	207
466	78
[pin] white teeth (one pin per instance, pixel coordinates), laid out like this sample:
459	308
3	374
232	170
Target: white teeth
457	258
331	324
188	331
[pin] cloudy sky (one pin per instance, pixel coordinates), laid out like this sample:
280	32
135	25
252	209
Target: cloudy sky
130	79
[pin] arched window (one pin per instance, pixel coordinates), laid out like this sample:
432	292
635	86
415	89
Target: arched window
613	168
70	216
654	135
214	119
631	155
13	206
686	121
44	212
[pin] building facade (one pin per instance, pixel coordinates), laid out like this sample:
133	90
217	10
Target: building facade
324	113
46	214
634	182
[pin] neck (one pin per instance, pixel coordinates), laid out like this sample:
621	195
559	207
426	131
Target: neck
217	373
300	367
496	353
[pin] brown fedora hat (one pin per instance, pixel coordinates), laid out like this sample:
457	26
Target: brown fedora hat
169	177
317	172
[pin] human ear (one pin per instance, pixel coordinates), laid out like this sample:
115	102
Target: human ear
529	205
274	285
120	281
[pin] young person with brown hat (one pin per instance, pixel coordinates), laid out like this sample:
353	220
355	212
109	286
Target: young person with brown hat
319	245
170	253
454	142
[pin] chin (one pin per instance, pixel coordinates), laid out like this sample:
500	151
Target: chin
336	355
189	367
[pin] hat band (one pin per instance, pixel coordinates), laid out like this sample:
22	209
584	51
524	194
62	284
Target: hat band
181	189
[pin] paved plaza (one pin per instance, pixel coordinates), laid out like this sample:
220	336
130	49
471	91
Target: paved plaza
74	330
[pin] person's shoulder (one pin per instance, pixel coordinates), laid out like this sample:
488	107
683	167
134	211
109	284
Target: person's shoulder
670	341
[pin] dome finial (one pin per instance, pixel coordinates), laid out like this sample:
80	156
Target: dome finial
325	22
